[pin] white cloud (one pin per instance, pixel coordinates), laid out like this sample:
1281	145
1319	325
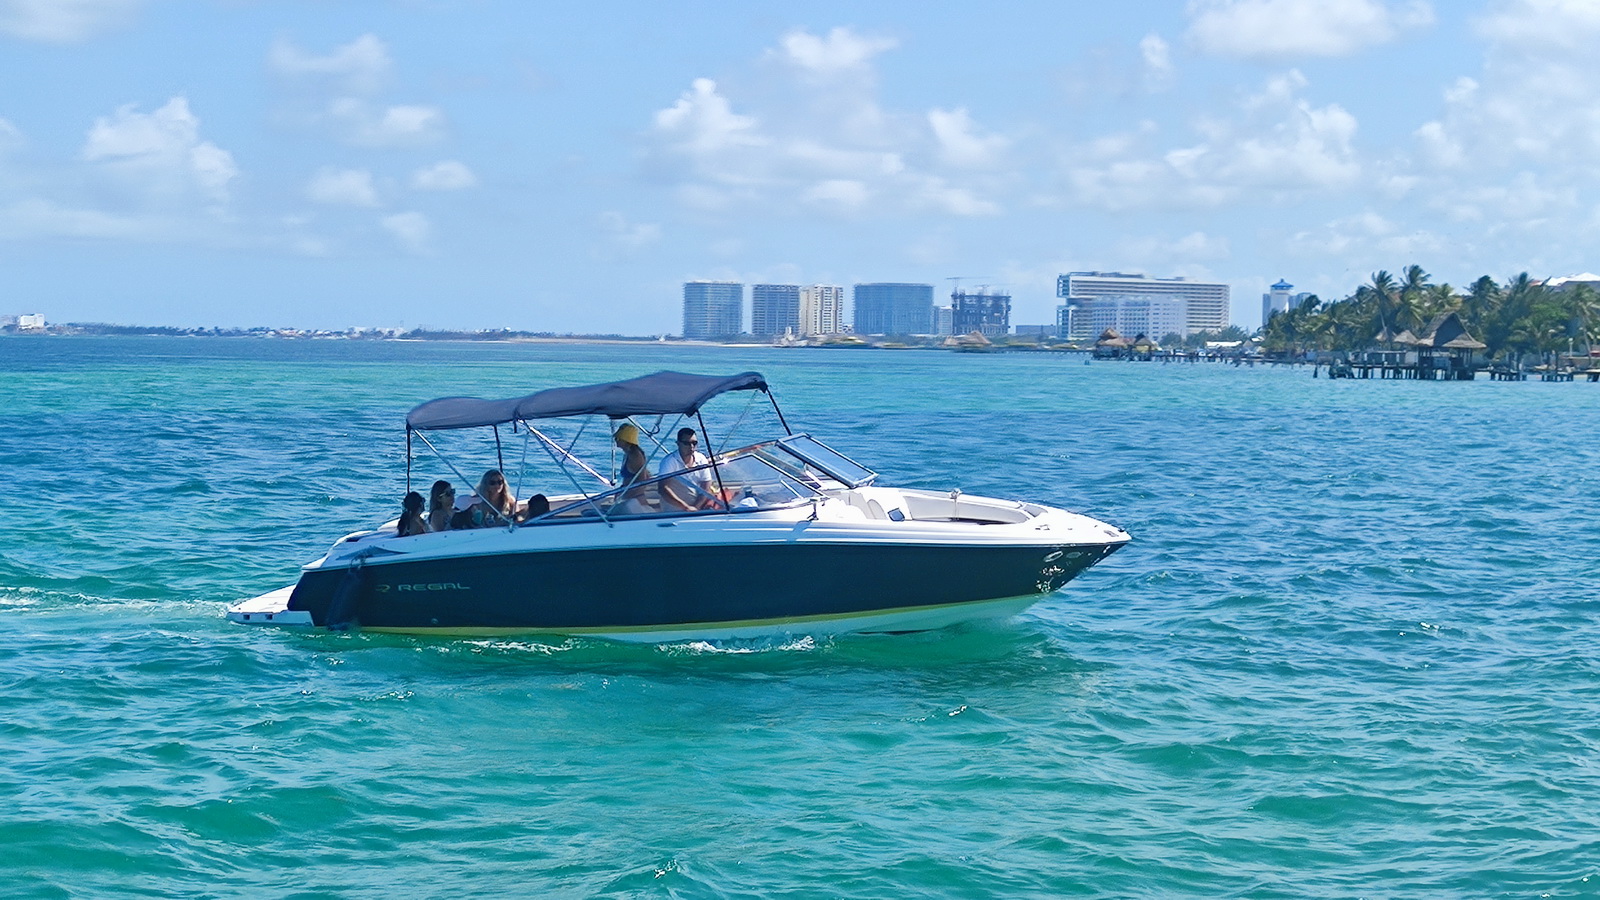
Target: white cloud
702	122
1440	147
838	194
342	187
411	229
63	21
959	142
1541	25
361	65
1522	201
1537	99
841	52
1365	235
160	152
36	218
828	147
626	235
1278	144
446	175
930	192
1157	56
339	93
1165	253
363	124
1276	30
10	136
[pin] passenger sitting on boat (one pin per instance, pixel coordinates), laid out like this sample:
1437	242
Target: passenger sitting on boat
538	505
411	516
691	490
634	470
491	505
440	499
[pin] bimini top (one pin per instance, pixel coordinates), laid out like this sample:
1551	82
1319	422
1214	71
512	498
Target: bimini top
664	393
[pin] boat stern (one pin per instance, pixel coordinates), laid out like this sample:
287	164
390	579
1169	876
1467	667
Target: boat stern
271	608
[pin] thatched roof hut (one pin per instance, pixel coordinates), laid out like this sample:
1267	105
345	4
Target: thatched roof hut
1448	332
1403	338
1110	338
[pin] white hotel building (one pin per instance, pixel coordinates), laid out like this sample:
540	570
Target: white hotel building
822	309
1135	304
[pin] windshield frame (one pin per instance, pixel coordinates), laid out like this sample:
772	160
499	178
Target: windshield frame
607	503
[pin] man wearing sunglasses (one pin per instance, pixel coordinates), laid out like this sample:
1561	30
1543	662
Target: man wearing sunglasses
691	490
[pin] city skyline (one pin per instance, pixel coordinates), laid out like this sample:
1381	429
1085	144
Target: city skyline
566	170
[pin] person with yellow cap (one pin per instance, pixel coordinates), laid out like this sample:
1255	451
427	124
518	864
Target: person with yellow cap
635	468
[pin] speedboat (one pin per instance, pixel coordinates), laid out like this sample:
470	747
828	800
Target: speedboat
785	536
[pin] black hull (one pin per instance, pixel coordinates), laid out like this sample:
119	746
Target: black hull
646	588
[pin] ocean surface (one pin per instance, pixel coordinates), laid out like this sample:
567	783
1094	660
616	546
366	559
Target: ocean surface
1352	651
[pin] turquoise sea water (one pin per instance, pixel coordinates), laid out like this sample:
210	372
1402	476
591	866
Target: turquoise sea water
1352	650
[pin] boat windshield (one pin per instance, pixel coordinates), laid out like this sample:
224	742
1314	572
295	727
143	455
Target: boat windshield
819	456
749	481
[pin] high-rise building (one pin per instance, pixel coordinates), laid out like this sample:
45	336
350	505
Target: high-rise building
1205	302
1276	301
888	308
943	320
822	309
1154	317
984	311
712	309
1067	320
774	309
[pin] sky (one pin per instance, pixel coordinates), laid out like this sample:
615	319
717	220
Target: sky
566	166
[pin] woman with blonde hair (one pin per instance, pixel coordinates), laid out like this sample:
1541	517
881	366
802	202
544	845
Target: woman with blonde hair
491	505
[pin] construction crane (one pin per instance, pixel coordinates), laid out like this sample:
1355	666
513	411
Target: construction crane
955	286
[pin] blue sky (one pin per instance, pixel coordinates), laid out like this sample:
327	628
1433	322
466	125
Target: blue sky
566	166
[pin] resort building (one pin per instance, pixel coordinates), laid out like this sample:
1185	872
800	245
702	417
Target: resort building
23	322
775	309
892	308
822	309
985	311
1567	282
943	320
1205	303
1275	301
712	309
1152	316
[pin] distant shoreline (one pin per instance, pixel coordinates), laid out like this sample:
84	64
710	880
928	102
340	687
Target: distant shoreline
1003	343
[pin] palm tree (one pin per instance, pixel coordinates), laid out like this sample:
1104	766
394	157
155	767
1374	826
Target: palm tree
1512	327
1582	306
1384	294
1409	298
1480	305
1438	298
1347	324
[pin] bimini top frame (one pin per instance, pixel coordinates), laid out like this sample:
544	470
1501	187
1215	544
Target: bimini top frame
663	393
659	394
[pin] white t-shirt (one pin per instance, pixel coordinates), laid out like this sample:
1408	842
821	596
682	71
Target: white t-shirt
684	486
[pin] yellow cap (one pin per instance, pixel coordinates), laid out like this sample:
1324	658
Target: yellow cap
628	434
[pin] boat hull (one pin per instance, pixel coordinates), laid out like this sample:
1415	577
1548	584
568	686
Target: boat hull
654	593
